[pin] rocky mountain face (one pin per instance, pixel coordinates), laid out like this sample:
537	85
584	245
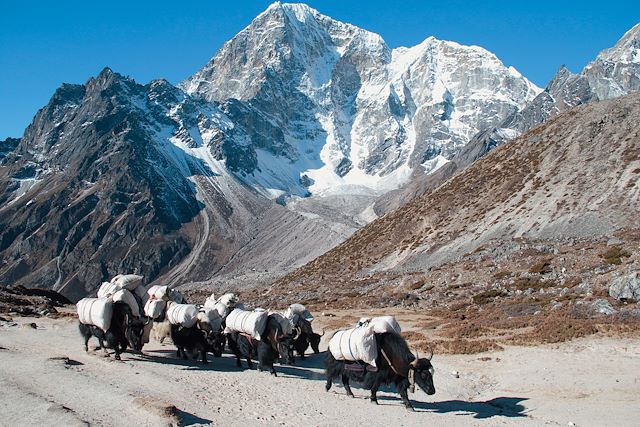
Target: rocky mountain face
7	146
614	72
575	178
354	116
114	176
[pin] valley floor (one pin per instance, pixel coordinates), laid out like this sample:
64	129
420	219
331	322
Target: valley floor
47	379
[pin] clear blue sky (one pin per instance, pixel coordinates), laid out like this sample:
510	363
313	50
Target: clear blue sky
45	43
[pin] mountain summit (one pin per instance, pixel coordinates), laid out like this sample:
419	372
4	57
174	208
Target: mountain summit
355	115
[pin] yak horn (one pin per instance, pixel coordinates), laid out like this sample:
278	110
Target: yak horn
430	353
323	331
415	361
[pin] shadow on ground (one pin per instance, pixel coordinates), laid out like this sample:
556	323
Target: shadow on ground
496	407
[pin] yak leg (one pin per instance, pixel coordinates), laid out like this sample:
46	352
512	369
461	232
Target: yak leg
86	343
374	390
118	351
203	353
345	382
249	362
273	371
328	384
104	347
405	398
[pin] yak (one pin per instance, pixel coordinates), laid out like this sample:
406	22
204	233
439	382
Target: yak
125	330
395	365
196	340
304	337
273	345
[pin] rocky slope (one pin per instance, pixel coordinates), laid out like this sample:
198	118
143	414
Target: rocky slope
614	72
114	176
575	177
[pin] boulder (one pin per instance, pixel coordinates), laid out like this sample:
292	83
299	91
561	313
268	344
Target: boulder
626	288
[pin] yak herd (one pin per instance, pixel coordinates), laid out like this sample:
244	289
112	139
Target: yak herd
273	337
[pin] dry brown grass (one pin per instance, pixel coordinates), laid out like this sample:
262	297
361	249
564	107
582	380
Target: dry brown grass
614	255
541	267
459	346
486	297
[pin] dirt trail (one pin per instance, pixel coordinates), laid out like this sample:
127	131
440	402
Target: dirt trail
48	379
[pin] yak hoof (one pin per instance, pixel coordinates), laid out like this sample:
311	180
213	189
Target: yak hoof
410	408
118	357
374	401
327	386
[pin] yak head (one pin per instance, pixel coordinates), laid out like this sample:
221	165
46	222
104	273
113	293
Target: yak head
134	331
281	343
423	373
216	341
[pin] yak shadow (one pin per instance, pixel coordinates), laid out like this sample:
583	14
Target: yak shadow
497	407
189	419
305	369
218	364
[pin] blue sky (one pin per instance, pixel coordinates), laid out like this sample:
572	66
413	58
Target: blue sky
45	43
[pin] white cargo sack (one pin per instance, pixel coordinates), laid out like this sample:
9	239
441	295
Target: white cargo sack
158	292
248	322
384	324
154	308
107	289
95	311
182	314
209	320
210	302
127	297
357	344
127	281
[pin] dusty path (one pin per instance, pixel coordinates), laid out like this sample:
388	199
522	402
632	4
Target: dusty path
47	379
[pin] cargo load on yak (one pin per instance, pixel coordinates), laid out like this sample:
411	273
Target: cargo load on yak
295	312
382	324
356	344
247	322
225	304
107	289
182	314
95	311
127	281
127	297
210	302
158	292
154	308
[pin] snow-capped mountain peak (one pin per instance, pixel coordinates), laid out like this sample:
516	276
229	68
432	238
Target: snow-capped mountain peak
354	114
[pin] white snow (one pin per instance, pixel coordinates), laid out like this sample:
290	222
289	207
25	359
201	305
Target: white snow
430	166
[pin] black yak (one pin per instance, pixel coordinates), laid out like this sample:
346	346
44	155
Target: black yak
125	330
395	365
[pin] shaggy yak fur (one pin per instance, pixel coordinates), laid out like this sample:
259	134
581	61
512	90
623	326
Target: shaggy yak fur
397	350
125	330
272	346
